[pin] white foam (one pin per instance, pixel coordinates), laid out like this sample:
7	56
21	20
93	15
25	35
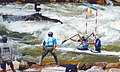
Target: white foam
73	18
89	52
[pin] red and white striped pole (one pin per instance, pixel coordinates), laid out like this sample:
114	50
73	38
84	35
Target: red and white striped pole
96	22
86	21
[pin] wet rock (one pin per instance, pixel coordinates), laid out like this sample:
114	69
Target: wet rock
33	67
37	67
112	70
95	69
54	69
101	64
31	70
31	63
16	65
87	66
113	65
80	65
84	66
23	65
33	17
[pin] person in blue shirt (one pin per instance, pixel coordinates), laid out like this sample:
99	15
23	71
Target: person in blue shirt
83	43
49	45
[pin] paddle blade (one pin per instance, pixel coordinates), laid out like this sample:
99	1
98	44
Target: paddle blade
63	41
68	39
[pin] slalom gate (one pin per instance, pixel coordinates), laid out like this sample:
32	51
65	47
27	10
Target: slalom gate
89	10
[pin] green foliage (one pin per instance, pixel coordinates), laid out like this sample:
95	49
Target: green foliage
115	48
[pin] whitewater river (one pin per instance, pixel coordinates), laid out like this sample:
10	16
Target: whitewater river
27	36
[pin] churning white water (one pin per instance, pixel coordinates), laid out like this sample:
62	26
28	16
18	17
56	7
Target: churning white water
73	18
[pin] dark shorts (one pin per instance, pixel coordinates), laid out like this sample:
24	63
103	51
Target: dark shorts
3	64
47	50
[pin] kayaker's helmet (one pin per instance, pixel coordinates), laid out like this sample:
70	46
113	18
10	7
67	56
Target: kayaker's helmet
50	34
83	37
4	38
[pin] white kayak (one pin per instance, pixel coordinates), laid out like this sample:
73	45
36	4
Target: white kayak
90	51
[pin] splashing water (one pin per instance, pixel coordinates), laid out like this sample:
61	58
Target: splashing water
73	17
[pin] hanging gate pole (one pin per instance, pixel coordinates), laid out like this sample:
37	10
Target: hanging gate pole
86	21
96	22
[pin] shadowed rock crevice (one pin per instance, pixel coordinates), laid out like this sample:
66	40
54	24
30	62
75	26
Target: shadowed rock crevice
33	17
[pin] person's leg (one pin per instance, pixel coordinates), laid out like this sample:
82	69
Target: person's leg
3	66
98	48
12	66
55	56
43	55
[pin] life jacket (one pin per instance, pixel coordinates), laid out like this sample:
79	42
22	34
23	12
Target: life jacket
71	68
6	52
49	42
98	45
84	43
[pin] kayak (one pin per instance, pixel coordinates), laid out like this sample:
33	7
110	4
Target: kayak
103	52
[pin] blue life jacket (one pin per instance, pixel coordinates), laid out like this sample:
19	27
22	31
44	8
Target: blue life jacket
84	43
98	45
49	42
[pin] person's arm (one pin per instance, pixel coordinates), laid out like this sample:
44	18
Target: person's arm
90	43
55	45
75	39
80	37
42	49
43	46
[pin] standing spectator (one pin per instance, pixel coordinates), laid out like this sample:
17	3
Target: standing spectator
49	45
6	54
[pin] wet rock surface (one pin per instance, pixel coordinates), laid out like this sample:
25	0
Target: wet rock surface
33	17
32	66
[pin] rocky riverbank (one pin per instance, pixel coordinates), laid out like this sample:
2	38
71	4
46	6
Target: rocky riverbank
82	67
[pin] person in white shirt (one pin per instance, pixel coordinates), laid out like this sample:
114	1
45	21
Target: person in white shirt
6	54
